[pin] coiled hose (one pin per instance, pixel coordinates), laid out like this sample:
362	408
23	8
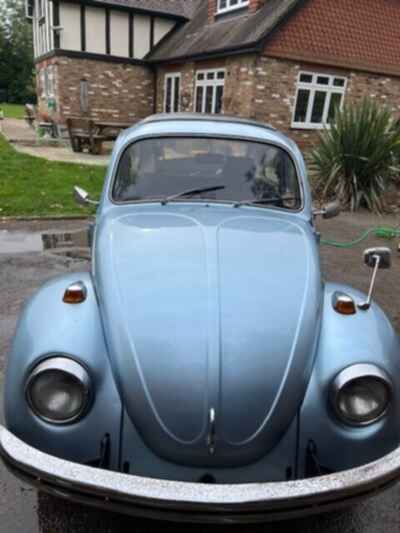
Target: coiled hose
382	232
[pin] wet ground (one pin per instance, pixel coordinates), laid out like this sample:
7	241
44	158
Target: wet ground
30	253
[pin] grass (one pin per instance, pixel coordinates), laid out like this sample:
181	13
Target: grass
32	186
12	110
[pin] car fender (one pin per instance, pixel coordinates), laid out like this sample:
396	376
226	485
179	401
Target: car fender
48	327
365	337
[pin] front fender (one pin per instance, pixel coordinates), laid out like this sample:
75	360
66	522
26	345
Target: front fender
46	327
366	337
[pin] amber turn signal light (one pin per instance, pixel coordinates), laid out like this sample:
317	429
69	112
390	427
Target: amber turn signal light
75	293
344	304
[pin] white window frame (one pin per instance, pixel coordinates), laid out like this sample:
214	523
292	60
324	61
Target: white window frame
208	83
41	9
174	77
29	9
231	7
314	87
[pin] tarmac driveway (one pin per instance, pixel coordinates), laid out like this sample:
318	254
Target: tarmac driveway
21	511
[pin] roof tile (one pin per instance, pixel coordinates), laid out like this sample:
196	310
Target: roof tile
360	34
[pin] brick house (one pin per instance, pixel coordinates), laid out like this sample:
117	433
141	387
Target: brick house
286	62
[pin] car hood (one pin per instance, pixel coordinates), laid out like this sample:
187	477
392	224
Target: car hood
211	316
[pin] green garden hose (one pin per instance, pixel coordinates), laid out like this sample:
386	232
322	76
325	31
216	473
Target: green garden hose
382	232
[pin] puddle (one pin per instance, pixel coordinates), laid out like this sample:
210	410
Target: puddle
73	244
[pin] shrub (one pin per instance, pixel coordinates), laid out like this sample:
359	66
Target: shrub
357	156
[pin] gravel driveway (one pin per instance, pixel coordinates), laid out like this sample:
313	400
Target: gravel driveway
21	511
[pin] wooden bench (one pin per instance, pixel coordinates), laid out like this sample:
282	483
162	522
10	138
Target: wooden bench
82	134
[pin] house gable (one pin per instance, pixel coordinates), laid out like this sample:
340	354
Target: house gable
357	35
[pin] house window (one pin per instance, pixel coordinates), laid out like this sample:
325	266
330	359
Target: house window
84	96
29	9
209	91
50	82
41	11
172	92
318	96
229	5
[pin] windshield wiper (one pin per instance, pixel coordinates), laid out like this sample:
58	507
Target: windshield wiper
191	192
266	201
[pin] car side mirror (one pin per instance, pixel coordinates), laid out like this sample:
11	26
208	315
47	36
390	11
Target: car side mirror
82	197
384	255
376	258
330	210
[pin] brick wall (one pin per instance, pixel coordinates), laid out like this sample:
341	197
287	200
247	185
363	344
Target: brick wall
239	83
275	93
43	102
116	91
254	5
264	88
212	8
258	87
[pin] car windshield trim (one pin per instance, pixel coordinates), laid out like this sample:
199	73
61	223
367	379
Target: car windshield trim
203	135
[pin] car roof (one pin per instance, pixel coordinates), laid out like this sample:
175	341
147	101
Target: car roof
206	117
206	124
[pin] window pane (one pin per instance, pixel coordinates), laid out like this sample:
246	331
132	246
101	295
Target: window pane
221	75
336	100
219	99
84	96
199	100
303	98
318	107
306	78
323	80
200	76
222	4
338	82
155	168
210	75
209	99
177	93
168	93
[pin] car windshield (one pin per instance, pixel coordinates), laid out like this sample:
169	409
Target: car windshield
228	170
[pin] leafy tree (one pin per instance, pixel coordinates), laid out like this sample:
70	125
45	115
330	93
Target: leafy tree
16	54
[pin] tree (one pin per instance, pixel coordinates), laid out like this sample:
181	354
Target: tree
16	54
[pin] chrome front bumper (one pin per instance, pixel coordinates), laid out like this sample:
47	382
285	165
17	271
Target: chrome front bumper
194	502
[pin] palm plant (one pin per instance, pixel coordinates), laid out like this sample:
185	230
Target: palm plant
358	155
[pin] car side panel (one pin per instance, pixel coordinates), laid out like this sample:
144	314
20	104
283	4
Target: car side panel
48	326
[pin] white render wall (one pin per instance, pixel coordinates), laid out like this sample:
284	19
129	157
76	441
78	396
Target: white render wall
70	20
161	28
119	33
95	30
141	33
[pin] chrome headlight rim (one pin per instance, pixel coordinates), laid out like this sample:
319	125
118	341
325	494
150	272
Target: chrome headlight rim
70	366
351	374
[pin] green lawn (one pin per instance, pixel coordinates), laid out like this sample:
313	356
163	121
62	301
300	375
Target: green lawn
36	187
13	110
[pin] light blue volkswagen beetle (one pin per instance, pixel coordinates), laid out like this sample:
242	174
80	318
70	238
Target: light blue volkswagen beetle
203	371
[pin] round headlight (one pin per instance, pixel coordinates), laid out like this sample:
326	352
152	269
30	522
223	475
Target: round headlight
361	394
58	390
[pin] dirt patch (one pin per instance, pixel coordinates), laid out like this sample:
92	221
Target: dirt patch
346	265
